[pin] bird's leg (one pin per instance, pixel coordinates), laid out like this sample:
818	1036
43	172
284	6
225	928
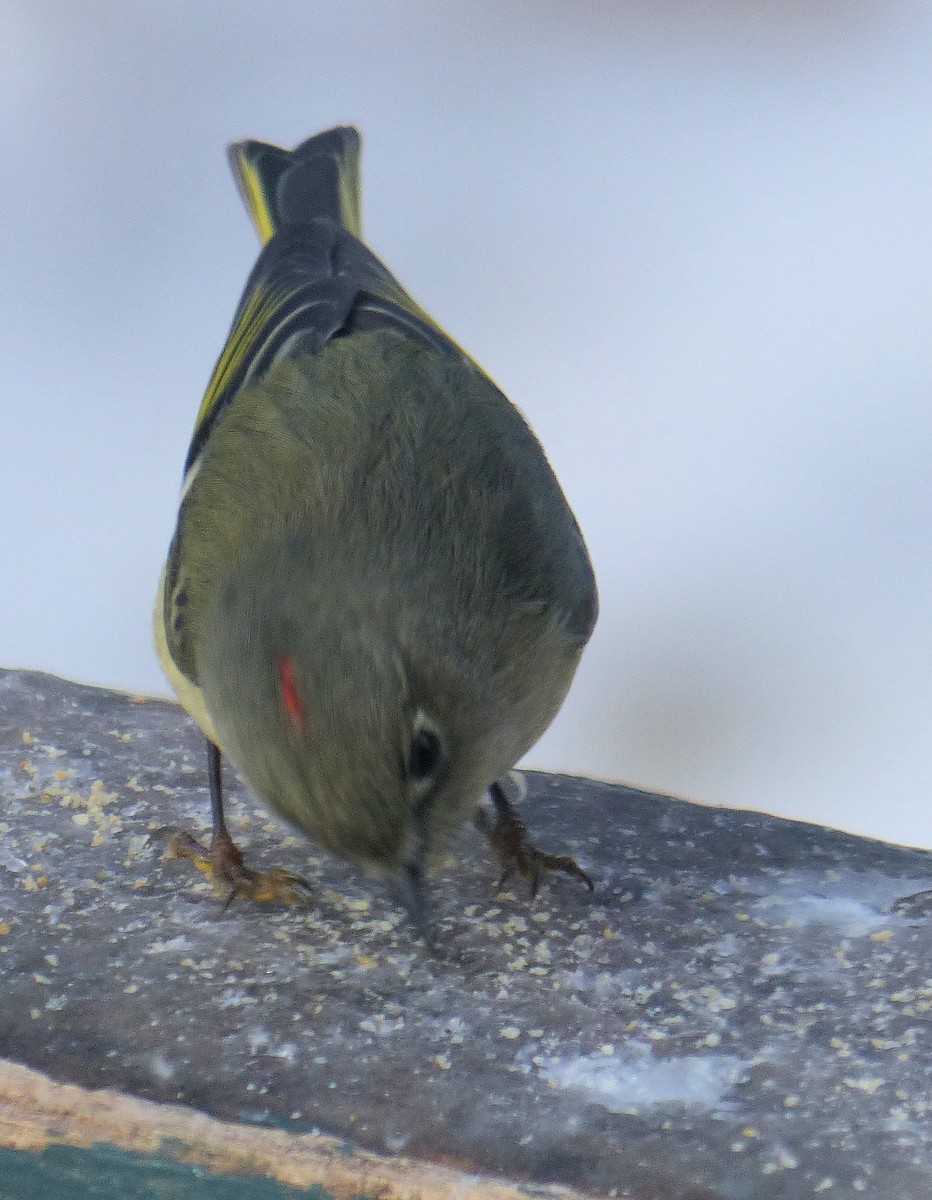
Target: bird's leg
223	863
511	843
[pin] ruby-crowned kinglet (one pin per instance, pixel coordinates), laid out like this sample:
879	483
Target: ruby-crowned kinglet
376	596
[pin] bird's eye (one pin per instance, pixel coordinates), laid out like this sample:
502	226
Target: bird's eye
424	754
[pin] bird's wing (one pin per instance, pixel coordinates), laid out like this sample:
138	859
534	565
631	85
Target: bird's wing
312	282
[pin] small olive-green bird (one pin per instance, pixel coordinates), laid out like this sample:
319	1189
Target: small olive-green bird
376	596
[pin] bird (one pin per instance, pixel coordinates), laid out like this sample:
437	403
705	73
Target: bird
376	595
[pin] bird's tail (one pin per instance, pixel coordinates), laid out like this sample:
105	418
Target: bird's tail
319	178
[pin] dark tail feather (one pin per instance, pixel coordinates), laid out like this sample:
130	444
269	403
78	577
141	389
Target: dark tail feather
319	178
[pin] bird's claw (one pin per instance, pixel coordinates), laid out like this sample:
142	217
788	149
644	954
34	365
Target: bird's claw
533	864
226	868
511	843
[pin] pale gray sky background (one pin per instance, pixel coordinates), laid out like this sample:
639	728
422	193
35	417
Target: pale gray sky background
692	241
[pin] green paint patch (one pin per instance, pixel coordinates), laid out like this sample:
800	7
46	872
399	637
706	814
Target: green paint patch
106	1173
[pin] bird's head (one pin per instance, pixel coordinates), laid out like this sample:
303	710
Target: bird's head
350	716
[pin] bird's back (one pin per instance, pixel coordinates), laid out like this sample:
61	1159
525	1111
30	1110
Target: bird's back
378	451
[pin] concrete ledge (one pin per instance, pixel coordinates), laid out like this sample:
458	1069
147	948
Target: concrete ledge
734	1015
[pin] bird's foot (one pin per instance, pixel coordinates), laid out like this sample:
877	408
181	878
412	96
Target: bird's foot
511	843
226	868
919	904
533	864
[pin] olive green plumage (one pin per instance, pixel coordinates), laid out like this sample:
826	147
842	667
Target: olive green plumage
365	506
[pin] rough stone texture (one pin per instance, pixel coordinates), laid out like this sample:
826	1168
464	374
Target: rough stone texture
734	1014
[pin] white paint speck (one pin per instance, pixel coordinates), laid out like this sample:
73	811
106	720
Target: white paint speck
160	1067
638	1080
175	945
257	1040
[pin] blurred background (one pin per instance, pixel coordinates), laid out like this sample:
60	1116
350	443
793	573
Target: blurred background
693	242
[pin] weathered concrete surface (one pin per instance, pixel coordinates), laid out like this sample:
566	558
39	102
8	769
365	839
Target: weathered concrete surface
734	1014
